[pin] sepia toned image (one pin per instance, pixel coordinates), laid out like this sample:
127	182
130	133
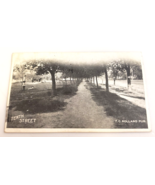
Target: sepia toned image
76	92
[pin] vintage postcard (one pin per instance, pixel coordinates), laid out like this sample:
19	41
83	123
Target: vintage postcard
77	92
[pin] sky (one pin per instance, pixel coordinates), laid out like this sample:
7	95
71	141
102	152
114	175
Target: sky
77	57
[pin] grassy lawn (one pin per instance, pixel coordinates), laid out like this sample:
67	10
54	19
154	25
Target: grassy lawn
35	102
126	114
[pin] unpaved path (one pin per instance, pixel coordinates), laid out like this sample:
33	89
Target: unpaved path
82	112
134	97
135	101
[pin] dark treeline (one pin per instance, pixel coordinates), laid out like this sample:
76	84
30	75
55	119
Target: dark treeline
78	72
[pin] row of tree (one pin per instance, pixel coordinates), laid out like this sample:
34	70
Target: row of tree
79	71
125	70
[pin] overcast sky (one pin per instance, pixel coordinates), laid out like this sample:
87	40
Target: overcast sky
77	57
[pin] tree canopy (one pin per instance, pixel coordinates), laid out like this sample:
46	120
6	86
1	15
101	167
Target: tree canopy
80	65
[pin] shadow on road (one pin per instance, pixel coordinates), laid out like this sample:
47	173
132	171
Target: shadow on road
120	108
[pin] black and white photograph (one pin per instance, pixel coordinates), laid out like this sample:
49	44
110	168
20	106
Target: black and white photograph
76	92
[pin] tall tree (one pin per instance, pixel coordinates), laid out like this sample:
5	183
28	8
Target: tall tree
96	81
126	66
20	71
45	67
114	72
106	79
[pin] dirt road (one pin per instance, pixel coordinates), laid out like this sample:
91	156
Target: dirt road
83	112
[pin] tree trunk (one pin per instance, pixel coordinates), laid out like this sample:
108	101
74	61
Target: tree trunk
53	83
114	80
128	76
96	81
65	81
70	80
106	78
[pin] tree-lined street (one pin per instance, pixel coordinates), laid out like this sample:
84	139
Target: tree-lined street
63	93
